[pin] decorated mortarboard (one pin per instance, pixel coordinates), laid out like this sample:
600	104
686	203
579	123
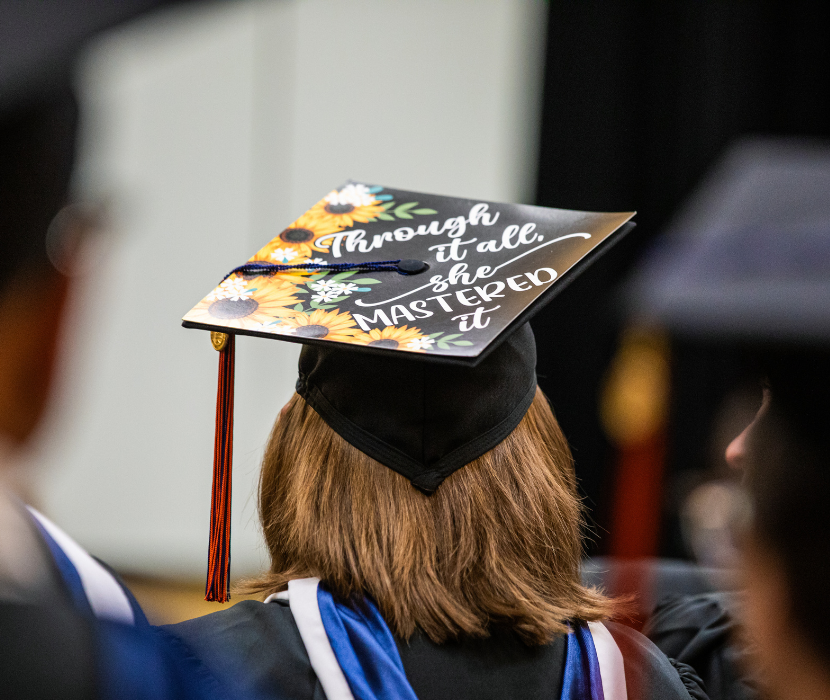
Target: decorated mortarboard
412	309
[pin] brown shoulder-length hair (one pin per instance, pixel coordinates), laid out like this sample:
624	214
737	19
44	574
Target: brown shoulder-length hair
497	544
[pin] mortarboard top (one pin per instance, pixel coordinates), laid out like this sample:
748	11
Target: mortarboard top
748	259
477	269
412	309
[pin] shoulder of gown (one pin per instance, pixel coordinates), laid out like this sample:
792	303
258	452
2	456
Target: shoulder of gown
254	644
262	643
649	673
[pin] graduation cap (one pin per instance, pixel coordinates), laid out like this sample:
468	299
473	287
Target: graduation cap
748	258
412	309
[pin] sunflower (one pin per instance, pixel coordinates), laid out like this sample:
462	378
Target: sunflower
331	325
297	242
395	338
235	306
342	208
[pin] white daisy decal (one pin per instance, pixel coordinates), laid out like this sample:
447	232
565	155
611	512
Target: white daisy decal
284	255
345	287
282	330
356	195
325	297
420	343
233	288
324	286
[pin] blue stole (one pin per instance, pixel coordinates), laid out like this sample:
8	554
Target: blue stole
68	573
77	569
582	680
367	654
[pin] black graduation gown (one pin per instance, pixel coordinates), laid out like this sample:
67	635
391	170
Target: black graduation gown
261	643
700	630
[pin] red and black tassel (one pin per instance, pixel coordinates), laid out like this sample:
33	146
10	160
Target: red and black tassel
219	555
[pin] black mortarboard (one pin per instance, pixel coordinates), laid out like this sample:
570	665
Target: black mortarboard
748	259
39	41
413	312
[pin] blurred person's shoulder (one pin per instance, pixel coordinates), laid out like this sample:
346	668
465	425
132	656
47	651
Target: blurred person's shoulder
649	673
51	651
46	651
702	631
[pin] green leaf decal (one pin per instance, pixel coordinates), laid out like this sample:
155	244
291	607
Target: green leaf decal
386	217
424	211
435	335
401	210
462	342
327	306
387	206
298	307
319	275
450	337
366	280
300	291
443	345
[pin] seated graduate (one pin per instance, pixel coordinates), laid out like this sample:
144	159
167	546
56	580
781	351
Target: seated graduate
417	496
747	272
736	640
68	627
785	453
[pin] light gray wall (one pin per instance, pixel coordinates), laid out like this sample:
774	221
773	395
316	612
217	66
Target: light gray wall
208	130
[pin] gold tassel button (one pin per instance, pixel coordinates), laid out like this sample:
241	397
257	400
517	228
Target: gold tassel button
219	340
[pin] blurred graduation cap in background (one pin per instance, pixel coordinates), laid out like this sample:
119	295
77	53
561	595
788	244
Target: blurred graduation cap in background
742	278
39	42
412	309
748	259
40	39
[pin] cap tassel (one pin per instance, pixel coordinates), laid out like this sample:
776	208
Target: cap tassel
219	555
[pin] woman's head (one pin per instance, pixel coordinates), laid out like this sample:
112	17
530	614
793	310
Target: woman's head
498	543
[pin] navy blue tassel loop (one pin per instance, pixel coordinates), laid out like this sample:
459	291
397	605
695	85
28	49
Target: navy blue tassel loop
402	267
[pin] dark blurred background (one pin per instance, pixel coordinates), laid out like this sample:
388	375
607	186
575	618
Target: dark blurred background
640	100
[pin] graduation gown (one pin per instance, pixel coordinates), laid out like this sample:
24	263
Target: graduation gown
75	632
259	645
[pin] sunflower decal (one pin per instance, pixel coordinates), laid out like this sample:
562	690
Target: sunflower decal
342	208
297	242
234	305
331	325
395	338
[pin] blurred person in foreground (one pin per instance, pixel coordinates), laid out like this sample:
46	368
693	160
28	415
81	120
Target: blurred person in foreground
785	455
748	270
68	627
